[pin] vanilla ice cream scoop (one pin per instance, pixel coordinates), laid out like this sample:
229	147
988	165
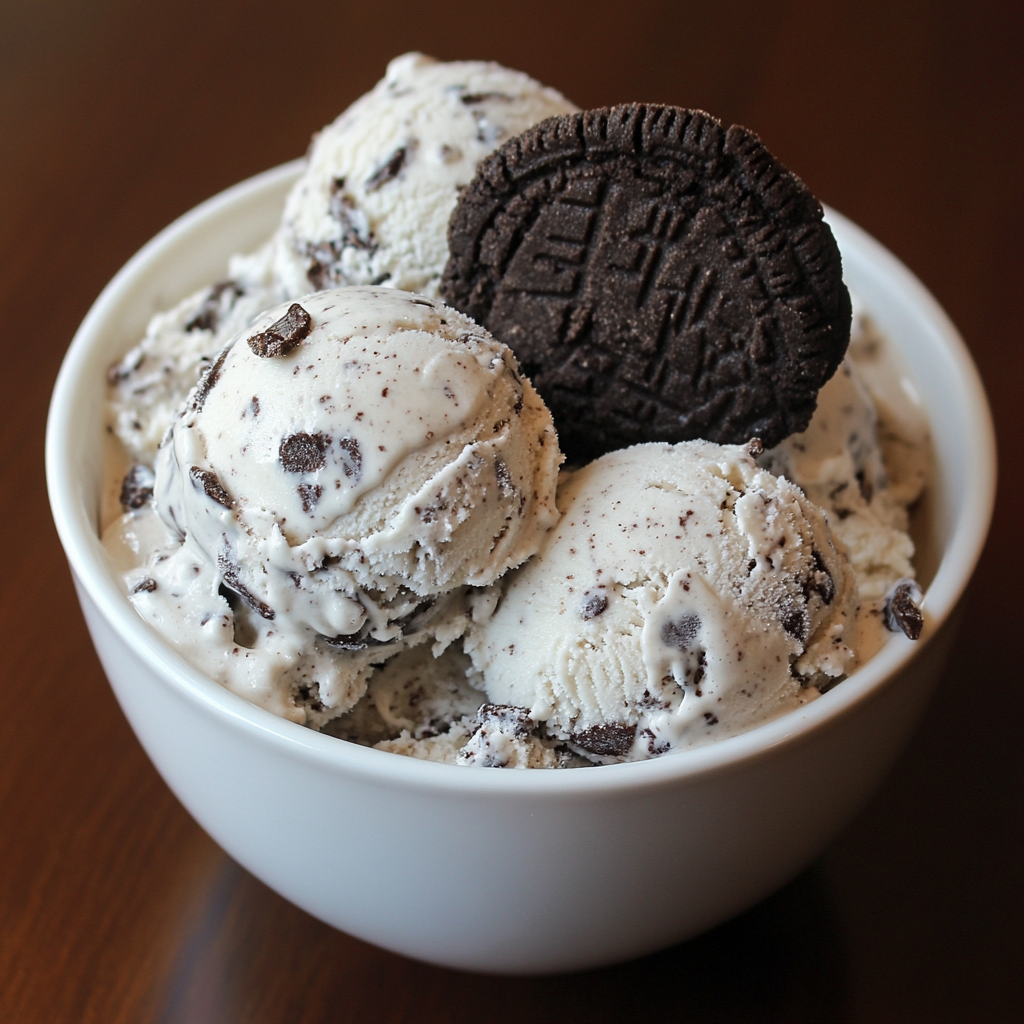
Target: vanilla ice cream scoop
356	455
685	595
373	205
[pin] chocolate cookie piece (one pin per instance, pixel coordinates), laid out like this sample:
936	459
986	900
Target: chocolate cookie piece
659	277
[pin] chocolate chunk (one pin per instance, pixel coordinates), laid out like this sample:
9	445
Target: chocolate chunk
659	277
823	582
351	458
508	717
309	495
207	317
593	605
901	610
208	380
700	670
353	642
137	488
472	98
209	483
610	740
304	453
229	574
122	370
145	586
390	169
682	634
282	335
797	624
867	489
755	447
355	228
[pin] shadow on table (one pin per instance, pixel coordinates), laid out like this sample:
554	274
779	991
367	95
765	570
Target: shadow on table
253	957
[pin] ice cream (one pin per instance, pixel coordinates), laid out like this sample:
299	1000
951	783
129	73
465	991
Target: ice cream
371	208
344	467
374	203
685	595
864	459
352	518
149	384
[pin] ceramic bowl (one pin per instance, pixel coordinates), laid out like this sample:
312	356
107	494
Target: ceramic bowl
514	871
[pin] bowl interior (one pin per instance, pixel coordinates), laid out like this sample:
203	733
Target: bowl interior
193	251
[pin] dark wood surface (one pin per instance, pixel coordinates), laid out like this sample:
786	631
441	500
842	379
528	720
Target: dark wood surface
117	116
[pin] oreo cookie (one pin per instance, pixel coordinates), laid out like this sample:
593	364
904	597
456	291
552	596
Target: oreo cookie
658	276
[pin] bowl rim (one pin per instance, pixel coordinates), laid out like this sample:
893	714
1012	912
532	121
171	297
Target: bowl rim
89	567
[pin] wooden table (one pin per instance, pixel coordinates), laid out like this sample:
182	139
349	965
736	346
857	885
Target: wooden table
116	117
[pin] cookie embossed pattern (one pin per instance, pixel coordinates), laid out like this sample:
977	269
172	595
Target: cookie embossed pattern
734	818
661	278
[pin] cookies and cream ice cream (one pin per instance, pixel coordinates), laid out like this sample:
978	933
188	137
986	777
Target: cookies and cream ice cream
351	519
371	208
863	459
685	595
150	382
344	467
374	202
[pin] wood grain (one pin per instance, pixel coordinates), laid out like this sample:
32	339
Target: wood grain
115	117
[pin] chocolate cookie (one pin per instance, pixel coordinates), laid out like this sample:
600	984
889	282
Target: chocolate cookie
659	277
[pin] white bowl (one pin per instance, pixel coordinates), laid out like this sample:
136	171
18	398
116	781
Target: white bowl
512	871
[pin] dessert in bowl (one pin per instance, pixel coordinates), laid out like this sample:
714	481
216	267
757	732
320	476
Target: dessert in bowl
514	871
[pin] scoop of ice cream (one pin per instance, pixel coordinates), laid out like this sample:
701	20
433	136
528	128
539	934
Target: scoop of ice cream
862	461
350	459
382	181
686	594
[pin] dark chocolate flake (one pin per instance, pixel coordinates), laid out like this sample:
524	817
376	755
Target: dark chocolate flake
608	740
507	717
212	487
304	453
137	488
309	495
797	624
593	605
229	573
682	634
353	642
145	586
282	335
351	458
472	98
901	610
207	317
389	170
207	381
823	582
